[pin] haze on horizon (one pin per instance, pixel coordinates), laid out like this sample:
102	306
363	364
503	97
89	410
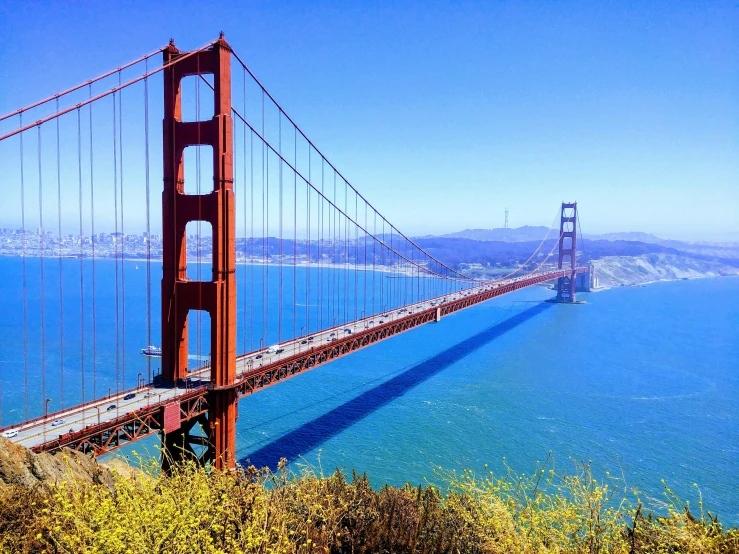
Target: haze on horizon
457	111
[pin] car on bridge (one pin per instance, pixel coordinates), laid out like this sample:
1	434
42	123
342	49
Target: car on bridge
57	423
111	407
129	396
10	433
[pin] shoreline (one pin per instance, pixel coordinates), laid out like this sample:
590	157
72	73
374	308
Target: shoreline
618	283
239	262
657	281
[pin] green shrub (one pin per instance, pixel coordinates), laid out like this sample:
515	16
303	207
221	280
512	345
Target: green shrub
250	510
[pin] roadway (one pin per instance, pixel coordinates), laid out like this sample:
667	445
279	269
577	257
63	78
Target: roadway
41	430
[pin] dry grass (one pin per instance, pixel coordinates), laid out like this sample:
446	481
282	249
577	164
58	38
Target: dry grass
193	510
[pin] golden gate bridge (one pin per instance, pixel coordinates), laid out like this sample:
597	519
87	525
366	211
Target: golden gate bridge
322	272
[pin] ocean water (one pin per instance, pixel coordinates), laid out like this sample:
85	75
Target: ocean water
640	380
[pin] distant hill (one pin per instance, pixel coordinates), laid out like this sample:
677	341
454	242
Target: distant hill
637	236
520	234
529	233
456	251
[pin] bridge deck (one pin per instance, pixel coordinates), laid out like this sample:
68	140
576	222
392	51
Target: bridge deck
93	427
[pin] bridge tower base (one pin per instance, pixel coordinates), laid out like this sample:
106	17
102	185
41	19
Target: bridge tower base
180	294
184	444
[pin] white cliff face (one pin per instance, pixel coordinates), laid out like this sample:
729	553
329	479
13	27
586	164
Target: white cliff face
614	271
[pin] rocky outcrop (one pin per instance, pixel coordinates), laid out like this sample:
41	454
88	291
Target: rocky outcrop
20	466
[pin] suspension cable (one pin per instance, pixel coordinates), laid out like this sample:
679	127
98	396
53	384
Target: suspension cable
81	85
279	107
333	205
532	255
104	94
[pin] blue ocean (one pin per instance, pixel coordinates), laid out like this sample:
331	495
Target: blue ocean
639	381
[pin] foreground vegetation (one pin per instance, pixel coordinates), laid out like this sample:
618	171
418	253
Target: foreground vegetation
192	510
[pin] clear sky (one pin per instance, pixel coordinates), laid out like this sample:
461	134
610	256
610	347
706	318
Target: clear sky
457	110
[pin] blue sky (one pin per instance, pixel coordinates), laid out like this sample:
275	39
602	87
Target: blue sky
443	114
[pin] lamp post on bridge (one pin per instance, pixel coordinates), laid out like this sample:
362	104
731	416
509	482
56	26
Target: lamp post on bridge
46	408
98	409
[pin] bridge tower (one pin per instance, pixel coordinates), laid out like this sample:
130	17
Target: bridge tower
179	294
567	250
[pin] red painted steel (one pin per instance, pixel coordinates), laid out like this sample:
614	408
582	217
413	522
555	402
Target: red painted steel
194	404
179	294
171	417
567	231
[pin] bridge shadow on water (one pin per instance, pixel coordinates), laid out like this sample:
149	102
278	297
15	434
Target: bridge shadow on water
314	433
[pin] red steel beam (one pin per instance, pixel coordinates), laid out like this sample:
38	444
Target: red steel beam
110	435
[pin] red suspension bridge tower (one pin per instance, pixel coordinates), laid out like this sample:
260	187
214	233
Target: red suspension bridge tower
567	252
341	227
180	295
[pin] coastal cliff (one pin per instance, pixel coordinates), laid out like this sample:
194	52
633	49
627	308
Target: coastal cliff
615	271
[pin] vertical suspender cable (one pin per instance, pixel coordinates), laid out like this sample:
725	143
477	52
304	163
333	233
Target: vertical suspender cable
41	271
307	246
23	270
123	241
262	337
115	250
382	279
148	222
92	244
279	219
321	201
346	253
251	263
269	255
365	298
393	282
335	312
59	232
332	259
295	234
198	224
374	259
243	193
82	263
356	257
